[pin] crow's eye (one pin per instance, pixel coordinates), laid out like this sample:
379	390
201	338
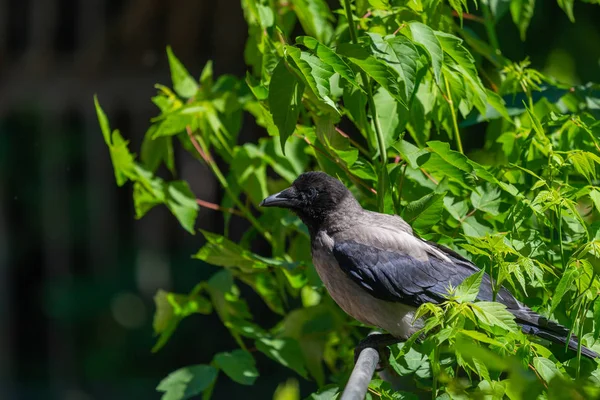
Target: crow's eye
312	193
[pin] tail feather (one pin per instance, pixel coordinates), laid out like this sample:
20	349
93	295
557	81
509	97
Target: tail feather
534	324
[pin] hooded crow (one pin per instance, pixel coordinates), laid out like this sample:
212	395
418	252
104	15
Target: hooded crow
378	271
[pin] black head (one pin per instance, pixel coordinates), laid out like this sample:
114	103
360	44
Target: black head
313	196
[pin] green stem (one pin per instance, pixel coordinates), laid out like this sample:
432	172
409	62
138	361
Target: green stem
530	99
247	213
579	336
372	109
490	27
454	121
435	370
492	282
560	238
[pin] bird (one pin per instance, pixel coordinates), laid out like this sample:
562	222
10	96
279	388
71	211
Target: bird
379	271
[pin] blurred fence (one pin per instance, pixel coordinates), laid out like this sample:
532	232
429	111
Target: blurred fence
62	218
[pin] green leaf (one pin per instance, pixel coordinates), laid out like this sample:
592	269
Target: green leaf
315	17
183	83
223	252
422	214
399	53
522	12
288	166
409	152
157	151
285	97
316	73
584	162
171	308
567	6
122	159
238	365
481	337
426	38
498	7
452	157
182	203
329	392
468	289
144	200
285	351
498	104
563	286
380	4
392	116
287	391
249	168
177	122
330	58
102	120
495	314
460	69
187	382
486	200
546	368
596	314
379	71
595	196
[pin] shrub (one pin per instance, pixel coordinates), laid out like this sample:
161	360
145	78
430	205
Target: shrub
383	104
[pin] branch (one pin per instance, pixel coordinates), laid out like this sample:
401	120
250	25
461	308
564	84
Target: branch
205	156
201	148
216	207
363	371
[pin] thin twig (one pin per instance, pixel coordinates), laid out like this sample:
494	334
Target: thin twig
372	109
469	17
454	118
206	157
354	143
201	148
399	29
216	207
338	162
431	178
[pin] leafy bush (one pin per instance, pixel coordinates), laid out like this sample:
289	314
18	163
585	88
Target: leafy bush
383	104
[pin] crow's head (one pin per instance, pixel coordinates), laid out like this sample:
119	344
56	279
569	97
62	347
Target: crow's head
313	196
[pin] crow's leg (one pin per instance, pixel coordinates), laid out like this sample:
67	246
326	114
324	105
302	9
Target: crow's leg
379	342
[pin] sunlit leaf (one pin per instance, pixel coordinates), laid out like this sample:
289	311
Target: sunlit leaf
316	73
285	351
422	214
563	286
183	83
378	70
330	58
238	365
399	53
546	368
495	314
187	382
425	37
468	289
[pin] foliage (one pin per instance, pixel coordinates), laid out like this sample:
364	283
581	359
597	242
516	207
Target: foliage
405	79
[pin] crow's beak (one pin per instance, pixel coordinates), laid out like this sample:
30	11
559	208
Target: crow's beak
286	199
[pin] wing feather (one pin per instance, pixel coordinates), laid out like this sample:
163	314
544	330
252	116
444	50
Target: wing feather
393	276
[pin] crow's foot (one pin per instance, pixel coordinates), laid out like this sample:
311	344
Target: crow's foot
379	342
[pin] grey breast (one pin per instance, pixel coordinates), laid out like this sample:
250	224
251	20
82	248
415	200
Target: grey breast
395	318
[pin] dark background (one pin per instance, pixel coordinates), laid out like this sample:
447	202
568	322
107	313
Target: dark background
77	271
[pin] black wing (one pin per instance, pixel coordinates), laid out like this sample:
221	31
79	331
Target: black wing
396	277
391	276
